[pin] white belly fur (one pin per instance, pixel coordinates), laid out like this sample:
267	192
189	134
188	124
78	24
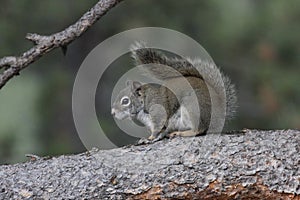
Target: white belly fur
180	121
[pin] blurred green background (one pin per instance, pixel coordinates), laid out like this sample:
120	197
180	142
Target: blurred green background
255	42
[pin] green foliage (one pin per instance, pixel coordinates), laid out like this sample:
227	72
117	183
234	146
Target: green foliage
19	121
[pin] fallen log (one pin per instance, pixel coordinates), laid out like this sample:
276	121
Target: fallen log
250	165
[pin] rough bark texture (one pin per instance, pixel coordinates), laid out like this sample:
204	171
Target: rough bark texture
43	44
253	165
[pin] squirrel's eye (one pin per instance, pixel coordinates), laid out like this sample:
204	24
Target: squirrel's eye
125	101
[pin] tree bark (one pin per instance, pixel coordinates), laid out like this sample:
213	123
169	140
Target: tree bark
12	65
250	165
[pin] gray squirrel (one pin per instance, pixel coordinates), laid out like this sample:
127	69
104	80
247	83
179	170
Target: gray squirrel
171	109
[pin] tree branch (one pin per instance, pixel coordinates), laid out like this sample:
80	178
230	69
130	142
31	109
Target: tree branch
43	44
254	165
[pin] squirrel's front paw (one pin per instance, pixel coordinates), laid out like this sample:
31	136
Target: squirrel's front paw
142	141
145	141
151	137
150	140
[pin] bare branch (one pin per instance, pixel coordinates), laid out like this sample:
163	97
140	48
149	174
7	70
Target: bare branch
7	61
44	44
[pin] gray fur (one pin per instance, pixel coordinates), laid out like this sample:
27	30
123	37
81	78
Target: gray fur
176	107
186	67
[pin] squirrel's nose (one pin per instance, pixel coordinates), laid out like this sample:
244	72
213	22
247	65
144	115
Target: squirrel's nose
113	112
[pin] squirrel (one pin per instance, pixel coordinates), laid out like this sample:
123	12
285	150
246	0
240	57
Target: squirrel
171	109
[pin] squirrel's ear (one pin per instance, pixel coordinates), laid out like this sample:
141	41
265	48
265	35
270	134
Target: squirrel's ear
134	84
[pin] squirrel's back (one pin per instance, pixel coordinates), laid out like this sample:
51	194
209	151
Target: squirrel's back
164	68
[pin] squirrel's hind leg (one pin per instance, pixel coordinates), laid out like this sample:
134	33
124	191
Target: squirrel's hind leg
188	133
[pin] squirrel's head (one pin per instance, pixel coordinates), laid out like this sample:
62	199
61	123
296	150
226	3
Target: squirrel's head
129	101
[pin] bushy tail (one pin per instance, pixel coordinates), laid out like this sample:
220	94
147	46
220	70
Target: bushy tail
143	55
207	71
